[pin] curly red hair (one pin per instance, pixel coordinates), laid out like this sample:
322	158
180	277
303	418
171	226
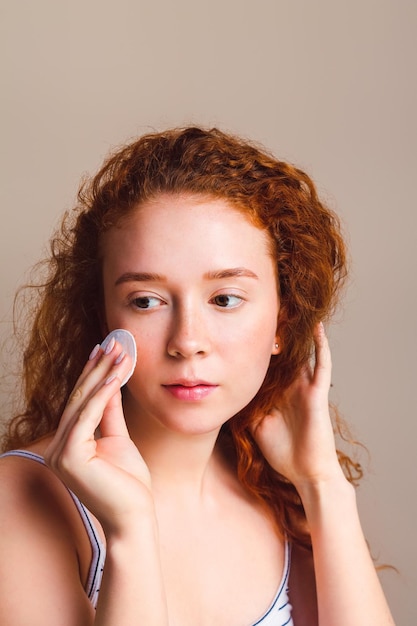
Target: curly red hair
275	195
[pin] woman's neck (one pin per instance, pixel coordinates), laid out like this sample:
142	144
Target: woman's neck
183	464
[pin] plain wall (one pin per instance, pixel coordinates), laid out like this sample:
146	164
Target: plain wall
326	84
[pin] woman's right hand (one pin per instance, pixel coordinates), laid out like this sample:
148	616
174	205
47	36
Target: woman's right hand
107	473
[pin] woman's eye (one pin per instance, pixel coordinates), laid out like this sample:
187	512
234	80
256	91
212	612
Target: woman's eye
146	302
227	301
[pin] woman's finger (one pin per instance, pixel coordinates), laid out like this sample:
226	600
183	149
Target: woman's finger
103	367
91	375
323	365
90	416
113	423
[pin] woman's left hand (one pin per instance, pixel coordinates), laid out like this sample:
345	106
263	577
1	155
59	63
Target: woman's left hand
297	437
297	440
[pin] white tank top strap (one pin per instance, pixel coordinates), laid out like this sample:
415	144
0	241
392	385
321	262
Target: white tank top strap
279	611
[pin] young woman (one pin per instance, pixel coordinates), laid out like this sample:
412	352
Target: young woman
211	480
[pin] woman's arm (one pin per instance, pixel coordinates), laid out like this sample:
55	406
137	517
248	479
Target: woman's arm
297	440
132	590
110	477
348	589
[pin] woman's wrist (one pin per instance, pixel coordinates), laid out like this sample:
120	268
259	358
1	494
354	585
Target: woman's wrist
320	495
127	526
122	544
132	589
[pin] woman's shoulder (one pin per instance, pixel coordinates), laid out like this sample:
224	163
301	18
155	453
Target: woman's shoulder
27	484
29	488
26	479
39	525
30	493
42	536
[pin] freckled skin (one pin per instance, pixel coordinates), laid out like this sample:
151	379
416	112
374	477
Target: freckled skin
185	331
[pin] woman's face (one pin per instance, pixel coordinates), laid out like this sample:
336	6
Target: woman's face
194	281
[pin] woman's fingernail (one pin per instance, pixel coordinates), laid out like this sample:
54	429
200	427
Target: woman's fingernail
110	346
128	344
120	357
94	352
110	379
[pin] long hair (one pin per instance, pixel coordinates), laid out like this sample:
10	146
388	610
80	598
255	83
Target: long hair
311	267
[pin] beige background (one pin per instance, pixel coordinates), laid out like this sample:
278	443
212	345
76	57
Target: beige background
330	85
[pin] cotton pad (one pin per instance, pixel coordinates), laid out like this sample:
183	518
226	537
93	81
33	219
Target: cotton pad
128	343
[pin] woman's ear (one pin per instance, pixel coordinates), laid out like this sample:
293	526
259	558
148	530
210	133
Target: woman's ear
276	348
278	341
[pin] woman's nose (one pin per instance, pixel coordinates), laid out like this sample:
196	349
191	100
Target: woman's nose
188	336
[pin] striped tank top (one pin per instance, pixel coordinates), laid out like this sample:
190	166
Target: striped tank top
278	613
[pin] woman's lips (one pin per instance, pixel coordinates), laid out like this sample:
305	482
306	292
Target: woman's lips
190	392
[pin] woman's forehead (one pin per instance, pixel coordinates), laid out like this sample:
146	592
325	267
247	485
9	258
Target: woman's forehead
187	229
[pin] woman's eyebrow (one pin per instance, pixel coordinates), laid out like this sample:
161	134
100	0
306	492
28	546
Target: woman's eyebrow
140	277
230	273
